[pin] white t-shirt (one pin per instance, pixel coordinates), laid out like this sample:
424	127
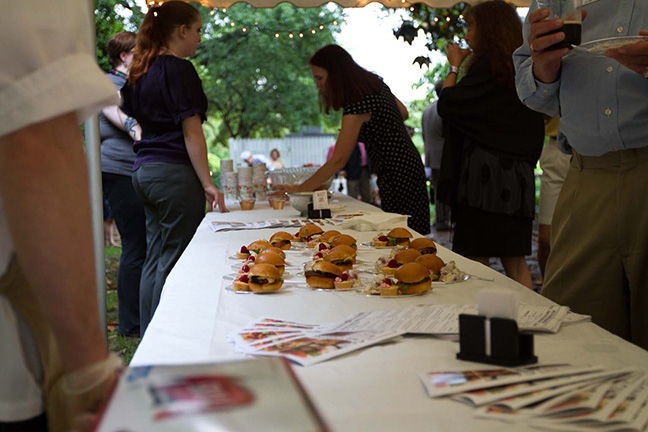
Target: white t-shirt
48	69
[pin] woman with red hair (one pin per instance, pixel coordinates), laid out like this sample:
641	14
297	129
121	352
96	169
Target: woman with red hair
492	144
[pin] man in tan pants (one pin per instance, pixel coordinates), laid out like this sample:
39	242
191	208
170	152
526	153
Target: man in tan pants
599	253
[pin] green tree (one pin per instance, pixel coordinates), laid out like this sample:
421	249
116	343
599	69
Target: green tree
113	16
255	75
440	27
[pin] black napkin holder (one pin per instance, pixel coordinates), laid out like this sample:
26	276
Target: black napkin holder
318	214
508	347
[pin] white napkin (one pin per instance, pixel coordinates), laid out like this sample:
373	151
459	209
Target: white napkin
375	222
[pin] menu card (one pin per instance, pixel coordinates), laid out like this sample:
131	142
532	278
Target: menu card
304	344
443	319
550	397
251	395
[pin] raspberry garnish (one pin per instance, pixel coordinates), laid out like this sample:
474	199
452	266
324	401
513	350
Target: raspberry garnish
244	279
246	269
392	264
344	277
322	246
382	238
244	249
387	282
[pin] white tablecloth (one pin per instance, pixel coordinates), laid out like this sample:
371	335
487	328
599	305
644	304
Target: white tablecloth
372	389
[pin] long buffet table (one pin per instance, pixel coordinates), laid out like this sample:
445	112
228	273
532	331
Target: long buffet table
375	388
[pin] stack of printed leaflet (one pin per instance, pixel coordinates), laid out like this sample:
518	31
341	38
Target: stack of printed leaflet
304	344
250	395
550	397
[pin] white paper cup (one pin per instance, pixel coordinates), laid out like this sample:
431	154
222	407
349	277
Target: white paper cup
226	165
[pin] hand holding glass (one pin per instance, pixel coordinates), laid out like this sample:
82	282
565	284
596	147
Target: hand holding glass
570	12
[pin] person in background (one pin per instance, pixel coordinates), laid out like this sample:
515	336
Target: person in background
170	175
363	96
248	158
358	174
433	140
52	340
118	131
555	165
276	159
108	224
492	145
599	232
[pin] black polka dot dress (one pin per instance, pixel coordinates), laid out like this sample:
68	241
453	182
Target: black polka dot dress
401	176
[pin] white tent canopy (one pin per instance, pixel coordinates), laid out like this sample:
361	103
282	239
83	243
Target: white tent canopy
345	3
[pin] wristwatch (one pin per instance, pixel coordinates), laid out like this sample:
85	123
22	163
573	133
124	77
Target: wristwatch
454	69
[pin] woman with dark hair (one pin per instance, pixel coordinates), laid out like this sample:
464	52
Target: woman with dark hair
275	159
374	116
493	143
171	175
118	131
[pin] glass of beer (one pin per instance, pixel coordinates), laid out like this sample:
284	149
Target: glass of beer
570	12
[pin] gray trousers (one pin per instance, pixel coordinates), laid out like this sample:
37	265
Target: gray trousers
174	204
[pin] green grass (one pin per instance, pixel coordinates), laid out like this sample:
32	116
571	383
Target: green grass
122	345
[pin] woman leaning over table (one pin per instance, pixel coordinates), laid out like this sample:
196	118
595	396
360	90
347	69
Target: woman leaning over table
374	116
493	143
171	175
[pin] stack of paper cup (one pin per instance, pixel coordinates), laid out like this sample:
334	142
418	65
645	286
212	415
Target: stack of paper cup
229	184
245	183
259	180
226	165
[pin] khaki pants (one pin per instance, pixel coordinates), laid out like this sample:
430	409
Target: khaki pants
15	287
599	243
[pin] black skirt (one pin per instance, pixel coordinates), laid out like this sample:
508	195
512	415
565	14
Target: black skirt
479	233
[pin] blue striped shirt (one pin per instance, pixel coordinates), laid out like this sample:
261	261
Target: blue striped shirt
603	105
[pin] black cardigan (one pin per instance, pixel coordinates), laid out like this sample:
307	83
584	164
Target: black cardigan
483	111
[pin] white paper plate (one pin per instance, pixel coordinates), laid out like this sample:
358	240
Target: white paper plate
464	279
401	296
237	267
230	288
371	245
231	276
599	46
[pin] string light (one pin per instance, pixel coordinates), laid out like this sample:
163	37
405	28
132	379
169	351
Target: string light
412	9
436	19
224	10
448	19
246	28
460	16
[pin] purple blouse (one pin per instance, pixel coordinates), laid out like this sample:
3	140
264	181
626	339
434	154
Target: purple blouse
169	92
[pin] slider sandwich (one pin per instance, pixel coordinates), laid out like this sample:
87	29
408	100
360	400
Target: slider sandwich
265	278
281	240
413	278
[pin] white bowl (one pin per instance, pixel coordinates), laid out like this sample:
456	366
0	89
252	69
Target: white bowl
300	200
